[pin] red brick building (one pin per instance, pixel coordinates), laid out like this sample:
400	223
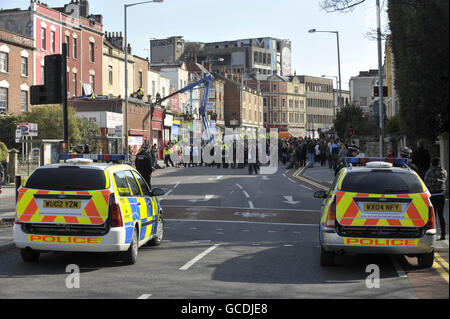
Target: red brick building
49	28
16	72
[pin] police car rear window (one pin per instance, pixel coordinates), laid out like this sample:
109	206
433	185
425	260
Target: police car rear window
67	178
382	182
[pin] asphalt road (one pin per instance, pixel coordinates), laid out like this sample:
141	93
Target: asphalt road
227	235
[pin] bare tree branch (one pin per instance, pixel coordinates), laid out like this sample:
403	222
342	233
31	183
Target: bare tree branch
340	5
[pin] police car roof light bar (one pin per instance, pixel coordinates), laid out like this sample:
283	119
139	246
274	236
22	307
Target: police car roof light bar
363	160
95	157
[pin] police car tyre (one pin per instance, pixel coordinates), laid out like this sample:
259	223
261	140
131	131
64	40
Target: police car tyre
326	257
426	260
157	240
29	255
129	257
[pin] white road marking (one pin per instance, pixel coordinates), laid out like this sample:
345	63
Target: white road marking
250	203
290	200
291	180
176	185
239	186
246	194
144	296
198	257
271	231
305	187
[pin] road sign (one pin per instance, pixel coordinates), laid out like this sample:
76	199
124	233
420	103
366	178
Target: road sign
27	129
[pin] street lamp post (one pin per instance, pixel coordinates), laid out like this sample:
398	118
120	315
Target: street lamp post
125	7
339	62
334	99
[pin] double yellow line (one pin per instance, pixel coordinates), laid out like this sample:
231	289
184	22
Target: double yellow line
307	180
441	266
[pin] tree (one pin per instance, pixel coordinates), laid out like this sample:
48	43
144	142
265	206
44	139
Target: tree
420	31
88	132
50	122
3	152
8	126
351	117
340	5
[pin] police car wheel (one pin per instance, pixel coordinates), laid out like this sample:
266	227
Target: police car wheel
426	260
129	257
29	255
156	241
326	257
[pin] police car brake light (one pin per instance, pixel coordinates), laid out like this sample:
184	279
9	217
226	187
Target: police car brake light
116	215
379	165
331	216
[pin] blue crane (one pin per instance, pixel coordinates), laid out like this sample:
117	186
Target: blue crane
206	81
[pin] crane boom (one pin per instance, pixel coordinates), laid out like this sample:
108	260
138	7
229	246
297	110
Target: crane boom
206	81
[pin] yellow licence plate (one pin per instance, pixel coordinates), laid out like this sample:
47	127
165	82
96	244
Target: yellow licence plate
382	207
66	204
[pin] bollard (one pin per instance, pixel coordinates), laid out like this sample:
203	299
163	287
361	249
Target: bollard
17	182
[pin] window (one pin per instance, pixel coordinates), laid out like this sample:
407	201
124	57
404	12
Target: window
3	62
265	101
275	102
43	40
67	42
42	74
154	89
53	42
363	101
92	81
3	100
74	81
24	100
382	182
67	178
24	66
74	48
284	117
142	184
91	52
122	184
140	78
133	184
110	74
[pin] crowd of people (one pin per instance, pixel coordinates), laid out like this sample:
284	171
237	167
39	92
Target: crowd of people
300	152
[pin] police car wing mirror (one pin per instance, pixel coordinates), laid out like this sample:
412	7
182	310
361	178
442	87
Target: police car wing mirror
158	192
320	194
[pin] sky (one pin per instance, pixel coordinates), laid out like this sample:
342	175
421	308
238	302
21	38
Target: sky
312	54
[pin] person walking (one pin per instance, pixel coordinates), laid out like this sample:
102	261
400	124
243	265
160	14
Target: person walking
167	158
144	164
340	162
435	180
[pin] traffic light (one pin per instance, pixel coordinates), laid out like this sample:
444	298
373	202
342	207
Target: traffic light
376	91
52	91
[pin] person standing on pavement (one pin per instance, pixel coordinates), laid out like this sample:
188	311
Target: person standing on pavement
144	164
310	151
435	180
340	162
